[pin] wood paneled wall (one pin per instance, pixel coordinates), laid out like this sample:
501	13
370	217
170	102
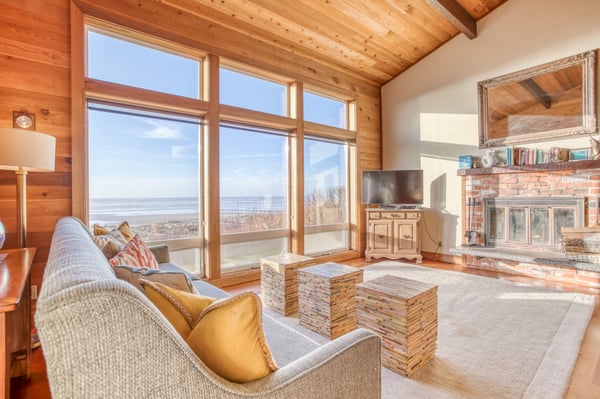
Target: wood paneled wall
35	75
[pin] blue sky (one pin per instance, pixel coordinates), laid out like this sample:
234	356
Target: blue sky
142	156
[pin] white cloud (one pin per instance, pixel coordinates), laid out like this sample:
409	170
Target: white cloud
161	131
184	151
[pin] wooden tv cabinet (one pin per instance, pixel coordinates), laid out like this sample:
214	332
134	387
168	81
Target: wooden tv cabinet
394	234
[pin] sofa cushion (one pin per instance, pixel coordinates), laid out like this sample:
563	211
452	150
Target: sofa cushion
135	253
133	275
229	339
181	308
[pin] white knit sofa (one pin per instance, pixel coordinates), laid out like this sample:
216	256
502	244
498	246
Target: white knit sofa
102	338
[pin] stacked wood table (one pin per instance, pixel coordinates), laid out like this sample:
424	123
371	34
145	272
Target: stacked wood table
404	313
279	281
326	298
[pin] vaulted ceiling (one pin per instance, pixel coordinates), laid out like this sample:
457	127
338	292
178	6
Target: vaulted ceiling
377	39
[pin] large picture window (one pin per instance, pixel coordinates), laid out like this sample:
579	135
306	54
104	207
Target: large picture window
143	163
144	169
326	196
156	141
254	195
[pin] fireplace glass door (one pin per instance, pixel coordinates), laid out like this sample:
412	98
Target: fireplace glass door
530	223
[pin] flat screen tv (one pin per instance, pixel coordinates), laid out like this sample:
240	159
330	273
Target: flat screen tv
392	187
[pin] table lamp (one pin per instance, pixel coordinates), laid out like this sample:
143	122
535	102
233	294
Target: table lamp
25	151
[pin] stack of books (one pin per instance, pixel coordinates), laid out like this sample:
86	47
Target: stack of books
532	156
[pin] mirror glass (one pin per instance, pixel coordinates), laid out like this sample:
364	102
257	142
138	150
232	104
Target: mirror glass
542	103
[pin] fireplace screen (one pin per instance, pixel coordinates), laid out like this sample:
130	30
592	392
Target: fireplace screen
530	223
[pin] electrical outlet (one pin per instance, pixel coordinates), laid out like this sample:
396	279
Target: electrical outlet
33	292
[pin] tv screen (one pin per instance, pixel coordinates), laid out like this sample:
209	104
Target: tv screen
394	187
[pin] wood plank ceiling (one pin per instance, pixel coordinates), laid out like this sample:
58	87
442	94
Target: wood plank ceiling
373	39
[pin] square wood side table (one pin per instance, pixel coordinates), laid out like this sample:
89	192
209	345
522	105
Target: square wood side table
279	281
15	316
404	314
326	298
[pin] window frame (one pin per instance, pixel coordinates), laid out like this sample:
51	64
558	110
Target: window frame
214	113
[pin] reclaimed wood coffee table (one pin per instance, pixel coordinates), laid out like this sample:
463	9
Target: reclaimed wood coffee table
404	314
326	298
279	281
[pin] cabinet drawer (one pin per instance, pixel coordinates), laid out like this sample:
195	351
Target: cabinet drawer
374	215
394	215
413	215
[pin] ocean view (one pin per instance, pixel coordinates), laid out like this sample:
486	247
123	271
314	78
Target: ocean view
109	211
159	219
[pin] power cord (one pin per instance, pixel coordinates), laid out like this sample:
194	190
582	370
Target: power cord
437	242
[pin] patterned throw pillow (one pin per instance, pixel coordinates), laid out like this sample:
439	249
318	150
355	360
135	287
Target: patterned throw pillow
112	241
123	228
226	334
136	253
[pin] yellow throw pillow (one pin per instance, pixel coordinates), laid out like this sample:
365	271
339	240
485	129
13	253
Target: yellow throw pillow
229	339
181	308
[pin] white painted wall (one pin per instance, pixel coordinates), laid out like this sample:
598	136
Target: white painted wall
429	112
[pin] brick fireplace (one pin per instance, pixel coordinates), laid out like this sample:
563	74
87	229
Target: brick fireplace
542	198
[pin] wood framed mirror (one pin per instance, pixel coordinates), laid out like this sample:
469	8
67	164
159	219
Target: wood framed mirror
542	103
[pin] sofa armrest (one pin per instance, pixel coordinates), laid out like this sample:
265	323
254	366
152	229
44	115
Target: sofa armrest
161	253
347	367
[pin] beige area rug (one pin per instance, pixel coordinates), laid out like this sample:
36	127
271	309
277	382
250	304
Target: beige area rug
496	339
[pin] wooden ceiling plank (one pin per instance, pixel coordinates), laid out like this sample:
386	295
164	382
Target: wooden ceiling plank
333	29
405	31
261	24
457	15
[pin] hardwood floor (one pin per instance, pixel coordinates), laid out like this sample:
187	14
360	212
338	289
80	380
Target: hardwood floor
585	383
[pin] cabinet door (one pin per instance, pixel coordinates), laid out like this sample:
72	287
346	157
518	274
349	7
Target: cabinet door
405	236
381	237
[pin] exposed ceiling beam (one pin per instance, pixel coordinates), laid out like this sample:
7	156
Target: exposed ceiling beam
456	15
537	92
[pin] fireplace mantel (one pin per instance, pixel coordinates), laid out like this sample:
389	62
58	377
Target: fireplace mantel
537	168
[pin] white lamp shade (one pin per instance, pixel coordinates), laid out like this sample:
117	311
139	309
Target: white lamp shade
26	150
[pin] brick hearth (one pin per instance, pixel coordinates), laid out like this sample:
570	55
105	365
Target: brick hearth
567	179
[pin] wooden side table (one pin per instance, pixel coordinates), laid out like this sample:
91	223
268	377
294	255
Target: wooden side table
404	314
326	298
15	315
279	281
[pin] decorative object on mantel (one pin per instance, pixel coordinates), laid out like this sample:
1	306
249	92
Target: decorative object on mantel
581	244
489	159
465	161
594	148
579	155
